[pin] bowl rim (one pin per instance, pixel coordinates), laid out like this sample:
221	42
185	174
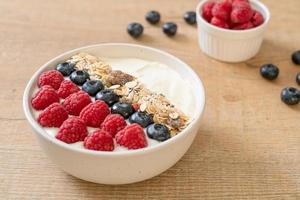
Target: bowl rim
260	27
38	129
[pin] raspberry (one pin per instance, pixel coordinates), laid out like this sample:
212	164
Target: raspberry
95	113
44	97
52	78
136	106
235	2
222	10
220	23
66	88
113	123
244	26
76	102
99	141
257	18
72	130
53	116
132	137
241	13
206	10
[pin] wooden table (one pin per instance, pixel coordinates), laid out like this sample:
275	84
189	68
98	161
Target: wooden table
249	143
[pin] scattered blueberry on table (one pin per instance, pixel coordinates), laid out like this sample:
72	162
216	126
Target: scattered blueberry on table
153	17
290	96
298	78
65	68
296	57
79	77
269	71
190	17
135	29
169	28
158	132
92	87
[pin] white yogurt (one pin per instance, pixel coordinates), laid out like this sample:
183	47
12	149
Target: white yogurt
159	78
155	76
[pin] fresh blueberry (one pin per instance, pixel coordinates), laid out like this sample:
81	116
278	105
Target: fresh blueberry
290	96
298	78
296	57
124	109
142	118
135	29
153	17
108	96
92	87
158	132
65	68
190	17
269	71
79	77
170	28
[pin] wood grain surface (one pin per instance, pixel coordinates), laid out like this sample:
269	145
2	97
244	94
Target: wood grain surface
249	143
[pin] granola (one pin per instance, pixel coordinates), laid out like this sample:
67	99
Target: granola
132	91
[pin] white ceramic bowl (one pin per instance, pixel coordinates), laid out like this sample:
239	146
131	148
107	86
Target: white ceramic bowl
231	45
126	166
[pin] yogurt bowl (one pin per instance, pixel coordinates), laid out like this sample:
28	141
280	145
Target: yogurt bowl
119	167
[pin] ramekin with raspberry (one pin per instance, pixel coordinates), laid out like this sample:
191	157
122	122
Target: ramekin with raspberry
231	30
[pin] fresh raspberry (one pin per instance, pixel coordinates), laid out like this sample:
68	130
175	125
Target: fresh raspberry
219	23
257	18
207	10
235	2
72	130
241	13
132	137
66	88
231	25
99	141
222	10
53	116
76	102
52	78
113	123
95	113
247	25
136	106
44	97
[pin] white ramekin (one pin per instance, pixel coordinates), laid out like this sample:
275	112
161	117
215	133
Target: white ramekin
119	167
231	45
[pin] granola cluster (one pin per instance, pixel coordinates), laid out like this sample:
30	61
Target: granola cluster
132	91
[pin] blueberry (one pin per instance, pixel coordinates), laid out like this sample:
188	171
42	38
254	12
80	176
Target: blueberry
190	17
298	78
290	96
79	77
269	71
142	118
108	96
158	132
92	87
135	29
65	68
124	109
170	28
153	17
296	57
